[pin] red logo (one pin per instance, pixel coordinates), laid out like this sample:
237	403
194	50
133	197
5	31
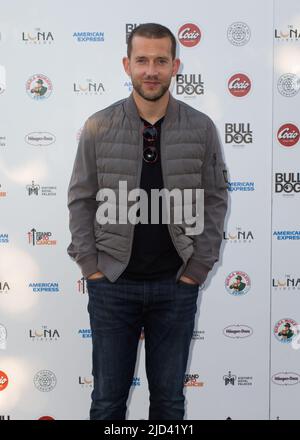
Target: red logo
189	35
239	85
3	381
288	135
46	418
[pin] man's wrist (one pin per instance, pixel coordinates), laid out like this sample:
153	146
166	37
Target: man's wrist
188	279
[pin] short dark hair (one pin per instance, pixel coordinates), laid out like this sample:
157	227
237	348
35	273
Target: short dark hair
152	30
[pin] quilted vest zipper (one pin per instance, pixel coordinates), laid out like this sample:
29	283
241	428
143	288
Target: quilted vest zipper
163	163
138	183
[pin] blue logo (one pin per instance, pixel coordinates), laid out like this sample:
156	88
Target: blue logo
88	37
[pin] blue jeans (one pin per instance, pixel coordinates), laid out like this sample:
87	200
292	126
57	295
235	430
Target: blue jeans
118	311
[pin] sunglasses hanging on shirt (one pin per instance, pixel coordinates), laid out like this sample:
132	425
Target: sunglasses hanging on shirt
150	153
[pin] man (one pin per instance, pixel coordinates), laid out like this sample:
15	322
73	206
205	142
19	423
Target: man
287	332
238	285
39	89
145	275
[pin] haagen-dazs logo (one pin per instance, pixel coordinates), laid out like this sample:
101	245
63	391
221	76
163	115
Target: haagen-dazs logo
238	331
286	378
45	380
238	283
239	85
39	87
189	35
238	33
288	135
285	330
288	85
40	138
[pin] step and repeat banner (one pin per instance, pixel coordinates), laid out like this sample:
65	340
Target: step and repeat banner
60	63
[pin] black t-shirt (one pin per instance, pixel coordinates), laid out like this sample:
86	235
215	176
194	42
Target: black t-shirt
153	254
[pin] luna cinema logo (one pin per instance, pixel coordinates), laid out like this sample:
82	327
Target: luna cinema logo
4	287
290	34
89	87
37	37
44	334
288	282
238	236
85	382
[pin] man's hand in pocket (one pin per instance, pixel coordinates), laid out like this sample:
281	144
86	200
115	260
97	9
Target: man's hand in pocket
95	276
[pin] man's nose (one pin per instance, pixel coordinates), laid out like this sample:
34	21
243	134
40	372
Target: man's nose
151	69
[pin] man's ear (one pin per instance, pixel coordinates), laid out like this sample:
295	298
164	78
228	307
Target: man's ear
125	61
176	65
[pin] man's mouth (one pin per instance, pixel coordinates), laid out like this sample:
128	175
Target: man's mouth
151	83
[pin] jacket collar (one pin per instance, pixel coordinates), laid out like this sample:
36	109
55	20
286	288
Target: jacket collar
132	111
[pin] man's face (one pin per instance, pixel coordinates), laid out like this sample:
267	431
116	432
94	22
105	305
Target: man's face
151	67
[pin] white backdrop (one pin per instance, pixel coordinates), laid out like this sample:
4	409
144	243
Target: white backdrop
239	366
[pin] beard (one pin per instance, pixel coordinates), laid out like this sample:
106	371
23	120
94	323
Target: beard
150	95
